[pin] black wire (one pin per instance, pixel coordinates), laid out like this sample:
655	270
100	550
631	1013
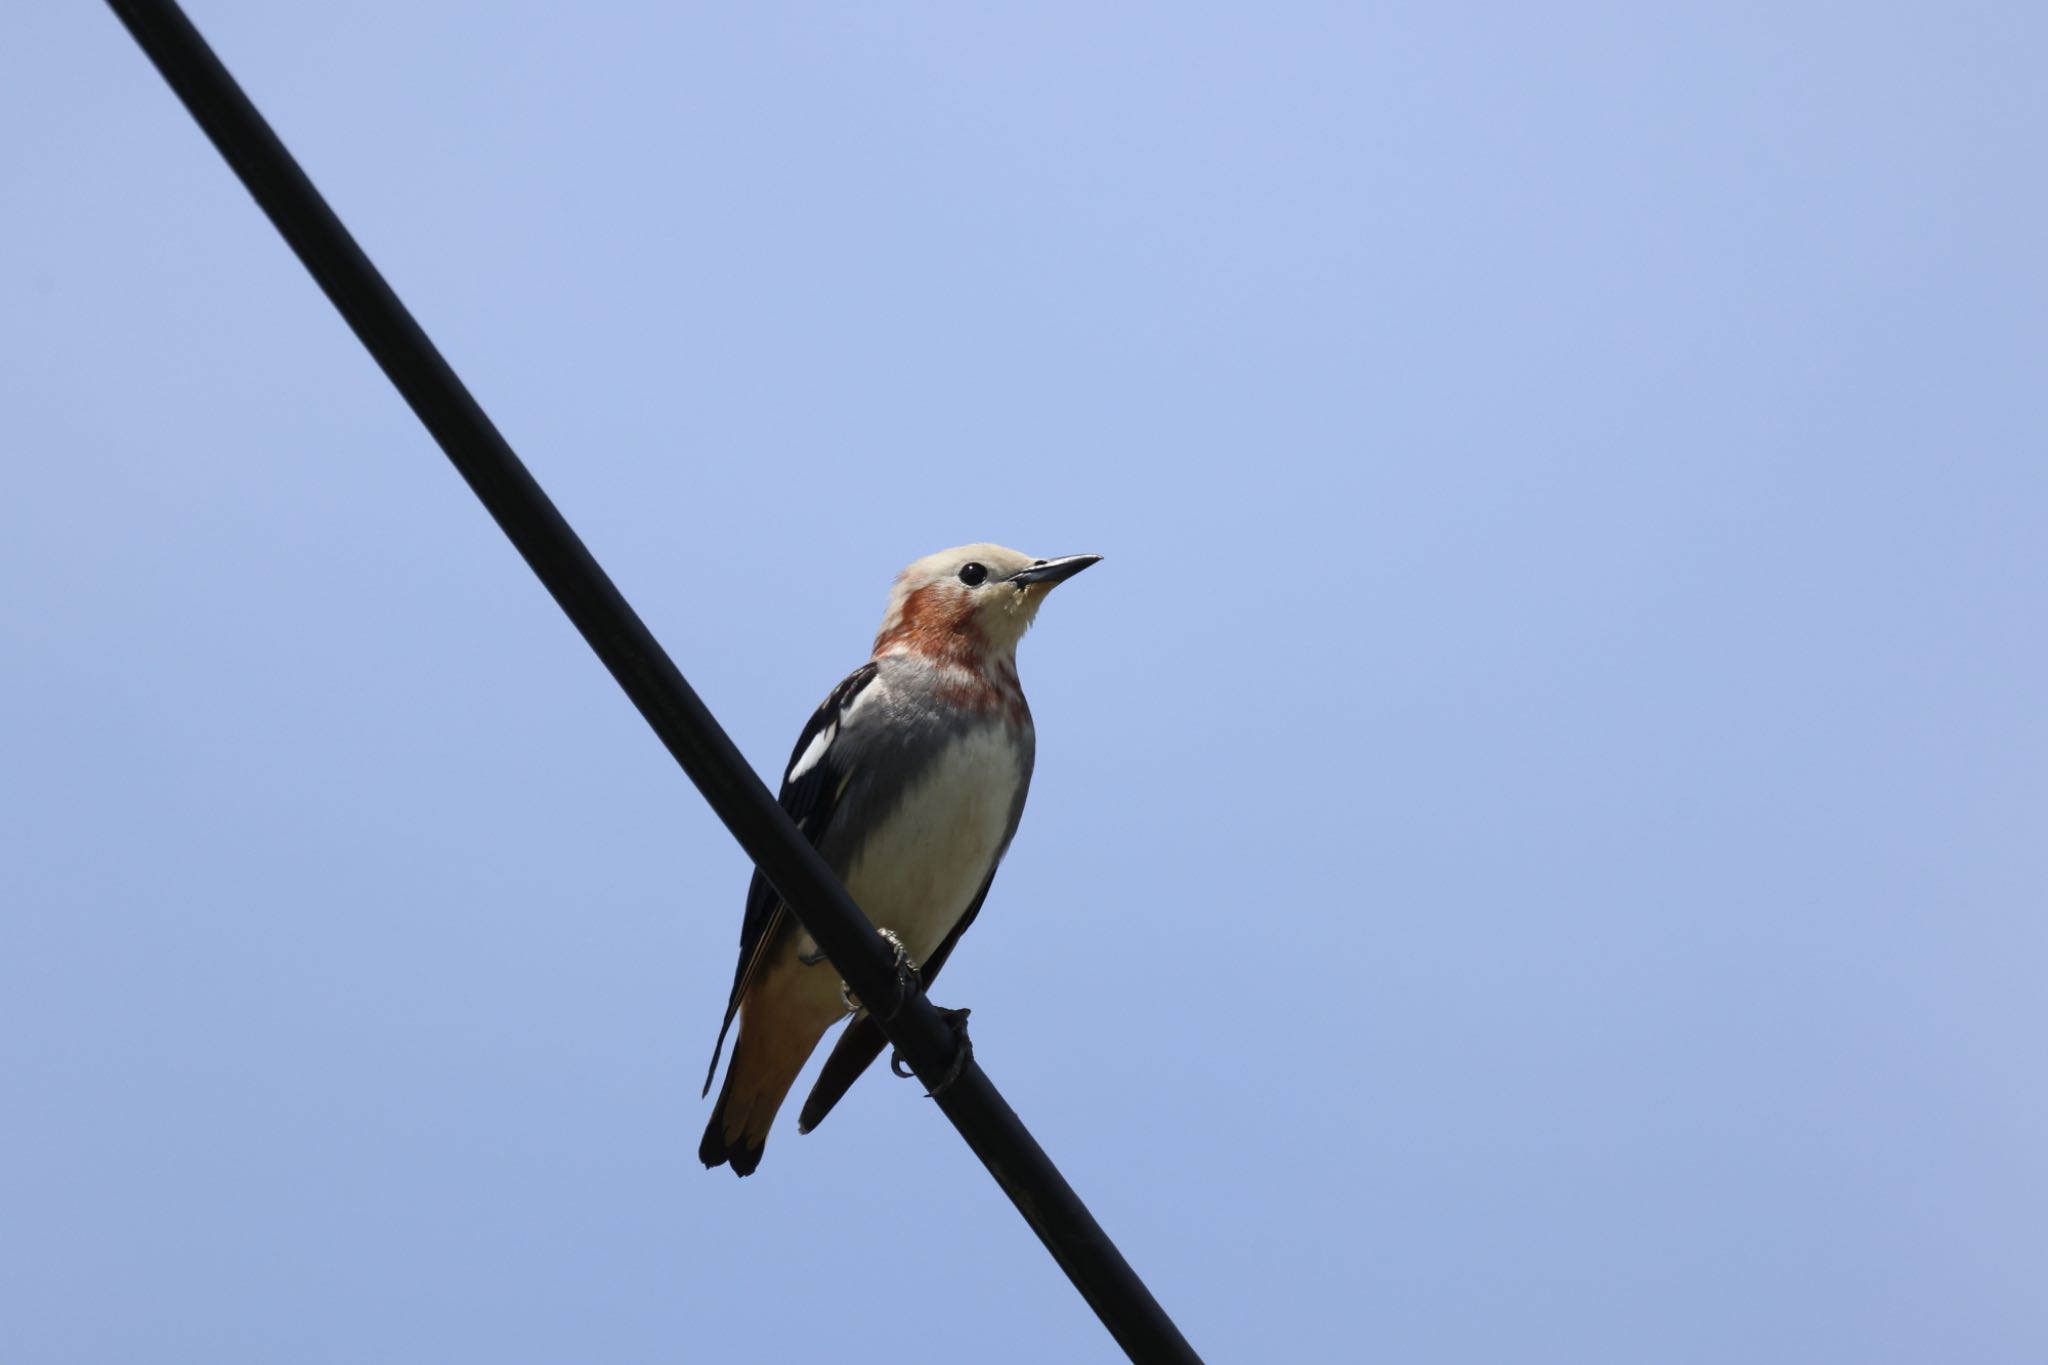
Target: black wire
651	679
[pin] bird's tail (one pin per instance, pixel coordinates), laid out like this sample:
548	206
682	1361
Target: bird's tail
765	1063
740	1145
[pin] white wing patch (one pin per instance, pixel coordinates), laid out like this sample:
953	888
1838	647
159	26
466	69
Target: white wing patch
873	687
813	751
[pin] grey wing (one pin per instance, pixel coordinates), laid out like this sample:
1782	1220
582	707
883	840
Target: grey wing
811	787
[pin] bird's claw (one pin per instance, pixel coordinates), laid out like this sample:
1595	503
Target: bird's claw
906	978
962	1054
906	975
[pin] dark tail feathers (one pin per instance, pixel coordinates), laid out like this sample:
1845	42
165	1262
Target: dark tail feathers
714	1150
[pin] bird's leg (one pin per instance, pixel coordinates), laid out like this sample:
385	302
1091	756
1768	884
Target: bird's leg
957	1021
906	977
812	955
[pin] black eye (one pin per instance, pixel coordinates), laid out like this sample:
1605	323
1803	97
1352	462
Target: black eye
973	575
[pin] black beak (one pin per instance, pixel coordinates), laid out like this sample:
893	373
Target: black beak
1051	571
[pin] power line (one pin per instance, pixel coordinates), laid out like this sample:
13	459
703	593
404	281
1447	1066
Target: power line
611	627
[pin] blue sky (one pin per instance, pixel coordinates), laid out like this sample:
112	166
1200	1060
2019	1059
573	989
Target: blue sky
1537	851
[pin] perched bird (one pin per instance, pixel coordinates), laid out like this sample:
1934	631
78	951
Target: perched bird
909	780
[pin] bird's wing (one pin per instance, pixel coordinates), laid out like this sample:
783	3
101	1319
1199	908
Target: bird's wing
811	786
863	1041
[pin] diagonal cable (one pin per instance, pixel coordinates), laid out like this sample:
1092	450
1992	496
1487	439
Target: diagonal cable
611	627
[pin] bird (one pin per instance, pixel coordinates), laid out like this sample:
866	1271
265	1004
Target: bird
909	780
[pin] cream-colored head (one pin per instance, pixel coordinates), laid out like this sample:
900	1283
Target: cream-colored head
972	600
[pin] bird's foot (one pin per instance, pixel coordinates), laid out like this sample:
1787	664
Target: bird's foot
962	1054
907	983
906	977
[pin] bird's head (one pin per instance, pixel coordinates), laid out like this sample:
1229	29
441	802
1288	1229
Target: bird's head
970	603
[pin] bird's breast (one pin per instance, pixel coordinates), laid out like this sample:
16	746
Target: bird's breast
919	867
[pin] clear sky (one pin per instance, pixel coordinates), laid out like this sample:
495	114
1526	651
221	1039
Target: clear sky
1540	843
